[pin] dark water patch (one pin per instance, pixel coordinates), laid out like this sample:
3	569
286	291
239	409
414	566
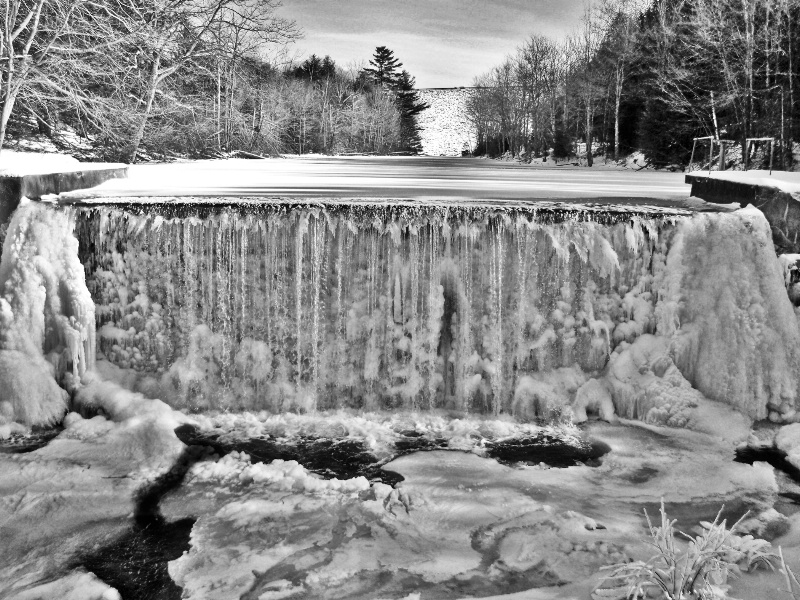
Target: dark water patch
329	458
771	455
791	496
347	458
20	443
413	441
135	563
548	449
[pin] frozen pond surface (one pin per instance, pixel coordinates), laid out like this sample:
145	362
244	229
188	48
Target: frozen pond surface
397	177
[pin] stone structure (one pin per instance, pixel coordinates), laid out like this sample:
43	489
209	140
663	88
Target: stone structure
774	195
445	128
36	185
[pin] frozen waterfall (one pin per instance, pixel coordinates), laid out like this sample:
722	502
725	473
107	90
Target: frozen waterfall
537	312
471	308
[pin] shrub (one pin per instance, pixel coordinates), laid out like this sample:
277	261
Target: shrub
698	572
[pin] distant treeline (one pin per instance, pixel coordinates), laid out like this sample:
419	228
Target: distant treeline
650	77
189	77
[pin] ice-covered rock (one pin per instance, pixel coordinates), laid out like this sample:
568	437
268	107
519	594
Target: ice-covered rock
593	396
788	441
734	333
47	320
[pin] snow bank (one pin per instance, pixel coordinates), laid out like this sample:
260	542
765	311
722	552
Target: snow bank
47	316
76	586
283	474
30	163
120	404
458	526
79	491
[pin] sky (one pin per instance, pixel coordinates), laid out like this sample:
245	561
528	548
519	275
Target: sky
443	43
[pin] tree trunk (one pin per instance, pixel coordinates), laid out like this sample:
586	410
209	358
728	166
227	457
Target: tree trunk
589	157
151	94
219	108
617	102
5	114
10	90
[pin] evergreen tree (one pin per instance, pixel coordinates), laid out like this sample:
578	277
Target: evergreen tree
410	106
315	68
384	68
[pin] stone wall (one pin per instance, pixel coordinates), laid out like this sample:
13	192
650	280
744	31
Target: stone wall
780	207
445	128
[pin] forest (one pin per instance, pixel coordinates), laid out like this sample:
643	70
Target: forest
649	76
153	79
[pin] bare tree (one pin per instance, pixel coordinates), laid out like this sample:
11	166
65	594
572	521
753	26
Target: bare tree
169	36
619	30
34	33
583	47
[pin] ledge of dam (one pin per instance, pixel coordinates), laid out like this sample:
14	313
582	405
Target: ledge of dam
14	187
775	194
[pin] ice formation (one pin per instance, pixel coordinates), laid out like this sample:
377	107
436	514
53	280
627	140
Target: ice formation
478	309
458	526
735	335
468	308
47	316
475	309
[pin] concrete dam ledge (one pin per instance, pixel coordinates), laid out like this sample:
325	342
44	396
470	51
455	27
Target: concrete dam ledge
14	187
777	195
177	207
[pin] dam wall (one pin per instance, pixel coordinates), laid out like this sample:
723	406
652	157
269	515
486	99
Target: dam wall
445	127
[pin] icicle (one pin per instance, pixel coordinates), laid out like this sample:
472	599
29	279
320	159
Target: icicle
425	307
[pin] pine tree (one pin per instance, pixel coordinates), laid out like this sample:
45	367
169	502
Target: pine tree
384	68
410	106
315	68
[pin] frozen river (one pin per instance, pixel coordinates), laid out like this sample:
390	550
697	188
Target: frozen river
394	177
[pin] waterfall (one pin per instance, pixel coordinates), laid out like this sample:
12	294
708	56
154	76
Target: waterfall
540	312
367	306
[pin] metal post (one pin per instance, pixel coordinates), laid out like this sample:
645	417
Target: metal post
771	146
721	155
783	142
745	152
710	152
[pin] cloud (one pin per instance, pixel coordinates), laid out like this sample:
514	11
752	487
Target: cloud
442	43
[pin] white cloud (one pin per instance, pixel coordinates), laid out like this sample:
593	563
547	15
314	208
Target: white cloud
442	43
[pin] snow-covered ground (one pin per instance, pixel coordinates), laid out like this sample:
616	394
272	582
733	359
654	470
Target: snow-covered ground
26	163
460	525
14	163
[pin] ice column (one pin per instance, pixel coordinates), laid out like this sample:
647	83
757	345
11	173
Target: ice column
47	316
